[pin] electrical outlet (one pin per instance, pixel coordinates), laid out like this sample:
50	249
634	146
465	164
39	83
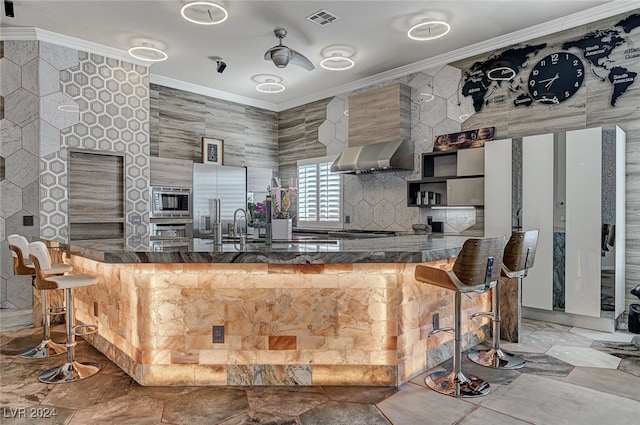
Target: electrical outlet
218	334
95	309
347	219
436	321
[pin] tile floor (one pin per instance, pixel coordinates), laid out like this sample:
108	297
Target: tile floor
572	376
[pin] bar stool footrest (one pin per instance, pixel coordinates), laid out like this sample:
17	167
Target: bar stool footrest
496	358
437	331
448	383
488	314
56	310
84	330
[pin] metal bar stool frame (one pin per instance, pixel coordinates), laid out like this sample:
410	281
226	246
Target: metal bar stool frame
518	258
71	370
23	266
475	270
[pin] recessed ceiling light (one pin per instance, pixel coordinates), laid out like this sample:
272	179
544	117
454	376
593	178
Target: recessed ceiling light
204	13
270	86
428	30
148	53
337	63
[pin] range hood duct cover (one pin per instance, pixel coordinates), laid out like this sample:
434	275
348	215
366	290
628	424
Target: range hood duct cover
375	157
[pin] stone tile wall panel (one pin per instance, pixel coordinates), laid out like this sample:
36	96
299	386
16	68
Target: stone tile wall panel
19	112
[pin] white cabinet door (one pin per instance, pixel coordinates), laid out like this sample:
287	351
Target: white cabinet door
583	222
470	162
537	213
465	192
497	188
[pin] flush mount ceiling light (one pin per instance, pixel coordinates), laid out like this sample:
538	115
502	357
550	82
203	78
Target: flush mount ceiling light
337	57
204	13
428	30
270	86
268	83
148	53
337	63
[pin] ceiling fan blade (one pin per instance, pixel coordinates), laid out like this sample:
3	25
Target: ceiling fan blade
301	60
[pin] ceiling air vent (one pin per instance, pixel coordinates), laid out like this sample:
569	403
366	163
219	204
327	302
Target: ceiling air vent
322	17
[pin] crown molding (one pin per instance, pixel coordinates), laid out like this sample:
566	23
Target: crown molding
208	91
31	33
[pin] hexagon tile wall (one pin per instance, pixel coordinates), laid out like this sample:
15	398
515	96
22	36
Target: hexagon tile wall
53	99
107	109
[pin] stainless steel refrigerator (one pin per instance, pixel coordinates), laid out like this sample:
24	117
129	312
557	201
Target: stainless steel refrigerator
229	185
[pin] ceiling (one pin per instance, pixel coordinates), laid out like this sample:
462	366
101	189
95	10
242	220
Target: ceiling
376	31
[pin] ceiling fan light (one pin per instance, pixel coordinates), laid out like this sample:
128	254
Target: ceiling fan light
270	87
281	57
428	30
337	63
201	13
148	53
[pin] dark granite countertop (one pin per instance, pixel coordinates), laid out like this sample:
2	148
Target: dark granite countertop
393	249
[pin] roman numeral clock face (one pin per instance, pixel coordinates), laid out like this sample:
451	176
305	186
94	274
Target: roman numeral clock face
556	78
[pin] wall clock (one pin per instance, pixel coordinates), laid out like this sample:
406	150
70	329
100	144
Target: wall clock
556	77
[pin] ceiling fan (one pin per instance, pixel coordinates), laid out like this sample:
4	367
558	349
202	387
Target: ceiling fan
282	55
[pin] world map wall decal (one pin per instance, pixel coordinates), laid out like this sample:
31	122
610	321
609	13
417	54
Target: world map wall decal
611	55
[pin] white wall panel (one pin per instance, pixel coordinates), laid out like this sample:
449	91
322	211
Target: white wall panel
583	225
497	188
537	213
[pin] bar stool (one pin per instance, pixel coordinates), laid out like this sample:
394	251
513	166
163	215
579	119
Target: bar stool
476	269
518	258
72	370
23	266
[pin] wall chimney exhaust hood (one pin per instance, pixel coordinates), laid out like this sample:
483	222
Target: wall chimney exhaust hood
375	157
379	132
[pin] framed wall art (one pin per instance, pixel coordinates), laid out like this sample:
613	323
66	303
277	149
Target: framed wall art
464	139
212	151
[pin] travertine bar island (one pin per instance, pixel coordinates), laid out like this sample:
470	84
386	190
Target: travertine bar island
346	312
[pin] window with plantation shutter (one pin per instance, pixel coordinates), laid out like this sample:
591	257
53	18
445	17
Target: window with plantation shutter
319	193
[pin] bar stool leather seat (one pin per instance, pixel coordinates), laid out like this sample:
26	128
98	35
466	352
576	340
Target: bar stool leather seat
23	266
72	370
518	258
476	269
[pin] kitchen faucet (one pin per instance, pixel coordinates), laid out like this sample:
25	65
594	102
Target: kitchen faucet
235	213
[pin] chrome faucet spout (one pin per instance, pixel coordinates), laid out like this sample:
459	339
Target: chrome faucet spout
235	221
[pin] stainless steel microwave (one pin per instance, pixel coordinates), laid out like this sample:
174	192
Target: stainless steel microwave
171	202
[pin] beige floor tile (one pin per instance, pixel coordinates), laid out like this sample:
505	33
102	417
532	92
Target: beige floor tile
543	400
584	356
416	405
